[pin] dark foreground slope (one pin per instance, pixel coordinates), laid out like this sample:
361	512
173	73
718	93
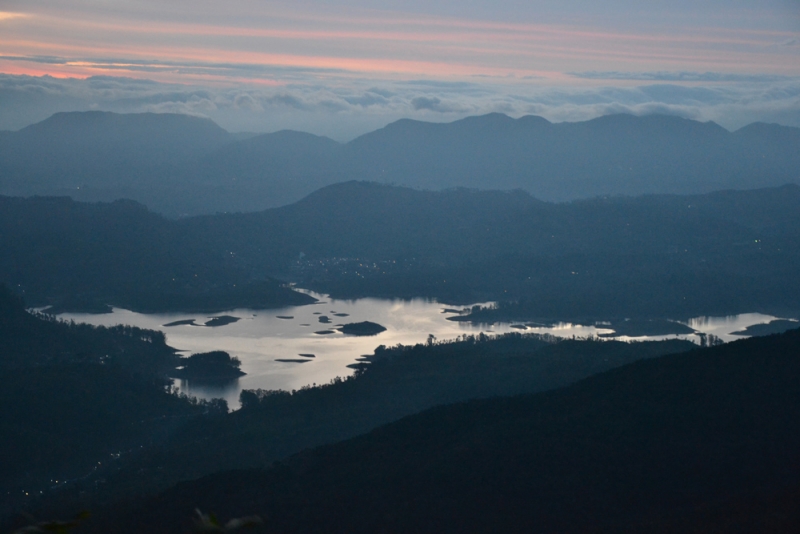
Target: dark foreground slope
400	381
668	444
74	396
180	165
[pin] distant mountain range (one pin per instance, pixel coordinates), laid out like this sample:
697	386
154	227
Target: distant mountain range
182	165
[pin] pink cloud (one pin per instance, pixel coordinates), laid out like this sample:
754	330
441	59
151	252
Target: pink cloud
381	44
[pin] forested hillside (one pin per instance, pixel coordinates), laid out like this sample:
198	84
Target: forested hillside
705	440
76	396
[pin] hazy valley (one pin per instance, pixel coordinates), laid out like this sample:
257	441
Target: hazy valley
629	226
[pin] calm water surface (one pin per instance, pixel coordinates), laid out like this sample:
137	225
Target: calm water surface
260	337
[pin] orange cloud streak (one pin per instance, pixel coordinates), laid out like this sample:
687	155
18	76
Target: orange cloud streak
431	46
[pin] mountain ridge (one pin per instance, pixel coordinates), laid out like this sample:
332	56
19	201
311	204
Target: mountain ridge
181	165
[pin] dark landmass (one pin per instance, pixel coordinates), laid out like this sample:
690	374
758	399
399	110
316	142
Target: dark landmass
84	257
400	381
290	360
189	322
285	316
669	444
221	320
325	332
324	319
307	355
75	395
342	314
215	365
180	165
652	257
777	326
652	327
364	328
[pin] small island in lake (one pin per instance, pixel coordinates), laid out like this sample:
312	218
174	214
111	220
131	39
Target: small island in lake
189	322
221	320
365	328
216	365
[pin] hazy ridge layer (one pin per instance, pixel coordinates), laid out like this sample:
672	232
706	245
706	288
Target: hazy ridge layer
181	165
662	256
89	256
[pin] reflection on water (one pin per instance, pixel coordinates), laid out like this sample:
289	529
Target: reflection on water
259	338
723	327
215	389
262	337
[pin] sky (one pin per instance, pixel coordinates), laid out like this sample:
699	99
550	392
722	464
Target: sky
342	68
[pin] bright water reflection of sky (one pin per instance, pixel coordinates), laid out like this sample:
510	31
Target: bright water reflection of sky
260	337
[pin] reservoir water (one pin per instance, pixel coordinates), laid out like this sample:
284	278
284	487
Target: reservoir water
307	336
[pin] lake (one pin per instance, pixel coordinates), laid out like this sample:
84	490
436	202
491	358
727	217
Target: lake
261	337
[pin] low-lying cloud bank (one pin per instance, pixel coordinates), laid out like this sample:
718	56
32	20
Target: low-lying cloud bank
346	108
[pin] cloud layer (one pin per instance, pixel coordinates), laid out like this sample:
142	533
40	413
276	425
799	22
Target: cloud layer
346	67
345	108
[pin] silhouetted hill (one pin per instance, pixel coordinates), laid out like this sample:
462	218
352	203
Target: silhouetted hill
400	381
615	154
600	259
659	255
96	148
81	256
97	155
73	395
665	442
184	165
277	169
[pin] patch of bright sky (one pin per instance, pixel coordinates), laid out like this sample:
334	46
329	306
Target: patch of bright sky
397	39
514	47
